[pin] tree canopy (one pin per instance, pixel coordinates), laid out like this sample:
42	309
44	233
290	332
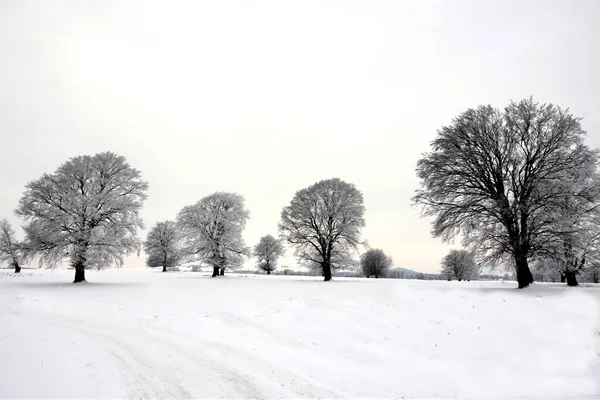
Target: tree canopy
211	230
161	245
460	265
323	223
267	252
375	262
87	211
10	249
493	176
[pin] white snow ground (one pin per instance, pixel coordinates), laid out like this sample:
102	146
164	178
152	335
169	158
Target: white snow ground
146	334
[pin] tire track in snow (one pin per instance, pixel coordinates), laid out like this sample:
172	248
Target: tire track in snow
145	380
298	384
127	344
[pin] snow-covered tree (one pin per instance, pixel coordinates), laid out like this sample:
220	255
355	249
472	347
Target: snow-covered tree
490	174
323	223
375	262
211	230
162	246
573	242
267	251
87	211
459	264
10	251
592	274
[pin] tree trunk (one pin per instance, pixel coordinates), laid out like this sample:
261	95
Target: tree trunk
164	268
79	261
17	268
215	271
327	271
222	272
524	276
268	272
562	278
79	274
571	278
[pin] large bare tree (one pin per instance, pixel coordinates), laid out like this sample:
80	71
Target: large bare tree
211	230
491	177
162	246
10	251
267	251
87	211
323	223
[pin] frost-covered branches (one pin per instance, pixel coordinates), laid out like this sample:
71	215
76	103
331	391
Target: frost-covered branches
267	251
211	230
10	250
572	234
87	211
459	264
492	176
162	245
323	223
375	262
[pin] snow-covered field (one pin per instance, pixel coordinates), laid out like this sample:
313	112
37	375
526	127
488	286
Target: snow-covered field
145	334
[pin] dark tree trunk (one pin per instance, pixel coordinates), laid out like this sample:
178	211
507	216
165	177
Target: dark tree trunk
563	278
327	271
164	268
524	276
215	271
17	268
79	274
268	272
79	261
571	278
222	271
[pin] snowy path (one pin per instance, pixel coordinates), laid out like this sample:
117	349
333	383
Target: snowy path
139	334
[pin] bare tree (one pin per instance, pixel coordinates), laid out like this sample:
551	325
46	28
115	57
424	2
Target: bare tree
161	245
593	273
87	211
211	230
575	255
375	262
10	251
459	264
267	251
575	242
323	223
489	177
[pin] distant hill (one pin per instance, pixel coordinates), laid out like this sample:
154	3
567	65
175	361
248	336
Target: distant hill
405	270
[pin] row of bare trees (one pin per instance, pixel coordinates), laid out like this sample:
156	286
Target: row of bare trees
518	185
322	224
88	212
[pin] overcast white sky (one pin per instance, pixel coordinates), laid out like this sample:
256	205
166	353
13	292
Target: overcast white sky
265	98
